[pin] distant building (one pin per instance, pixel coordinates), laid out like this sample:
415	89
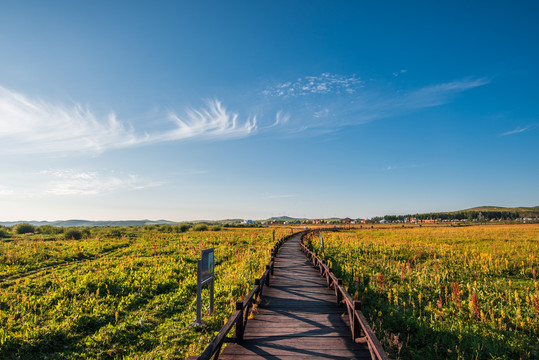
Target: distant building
346	221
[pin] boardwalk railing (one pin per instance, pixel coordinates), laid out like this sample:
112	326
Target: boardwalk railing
361	330
239	318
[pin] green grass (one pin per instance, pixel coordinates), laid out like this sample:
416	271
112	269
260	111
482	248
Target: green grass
121	293
444	292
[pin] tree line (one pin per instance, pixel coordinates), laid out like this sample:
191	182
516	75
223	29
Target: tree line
470	215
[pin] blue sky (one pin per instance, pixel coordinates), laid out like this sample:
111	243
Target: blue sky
237	109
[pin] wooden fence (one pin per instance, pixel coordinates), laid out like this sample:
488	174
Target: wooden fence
239	318
361	330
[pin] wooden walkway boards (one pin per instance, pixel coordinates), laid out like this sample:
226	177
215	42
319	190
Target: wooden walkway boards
298	317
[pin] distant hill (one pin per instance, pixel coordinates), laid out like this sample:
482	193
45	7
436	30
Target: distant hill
284	218
489	212
522	211
66	223
476	213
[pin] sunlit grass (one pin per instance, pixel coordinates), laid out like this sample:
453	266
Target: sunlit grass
130	295
444	292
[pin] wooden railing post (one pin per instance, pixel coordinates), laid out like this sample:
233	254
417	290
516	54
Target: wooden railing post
356	328
239	322
268	270
338	291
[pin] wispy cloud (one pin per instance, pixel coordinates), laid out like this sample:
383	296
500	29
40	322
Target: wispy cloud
68	182
214	121
323	84
314	104
517	130
5	191
398	73
72	182
37	126
281	118
438	94
325	103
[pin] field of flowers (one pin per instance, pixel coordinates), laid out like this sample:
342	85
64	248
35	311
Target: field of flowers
467	292
128	293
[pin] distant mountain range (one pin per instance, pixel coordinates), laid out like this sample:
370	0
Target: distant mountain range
66	223
523	211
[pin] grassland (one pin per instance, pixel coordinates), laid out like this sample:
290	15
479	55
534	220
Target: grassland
120	293
437	292
429	292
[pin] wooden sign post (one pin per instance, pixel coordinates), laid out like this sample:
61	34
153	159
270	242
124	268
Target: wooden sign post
205	274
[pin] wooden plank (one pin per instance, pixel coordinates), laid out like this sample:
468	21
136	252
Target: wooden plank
291	357
313	291
295	332
310	342
285	319
292	348
292	311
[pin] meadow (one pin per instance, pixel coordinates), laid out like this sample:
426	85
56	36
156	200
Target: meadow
120	292
441	292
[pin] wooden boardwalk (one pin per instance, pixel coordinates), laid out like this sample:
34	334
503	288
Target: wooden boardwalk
298	317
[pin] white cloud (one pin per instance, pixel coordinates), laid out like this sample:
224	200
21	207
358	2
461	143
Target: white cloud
212	122
36	126
281	118
434	95
398	73
325	83
315	103
72	182
5	191
28	126
517	130
319	111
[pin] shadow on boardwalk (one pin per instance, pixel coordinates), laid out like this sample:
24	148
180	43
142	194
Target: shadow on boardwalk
298	317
